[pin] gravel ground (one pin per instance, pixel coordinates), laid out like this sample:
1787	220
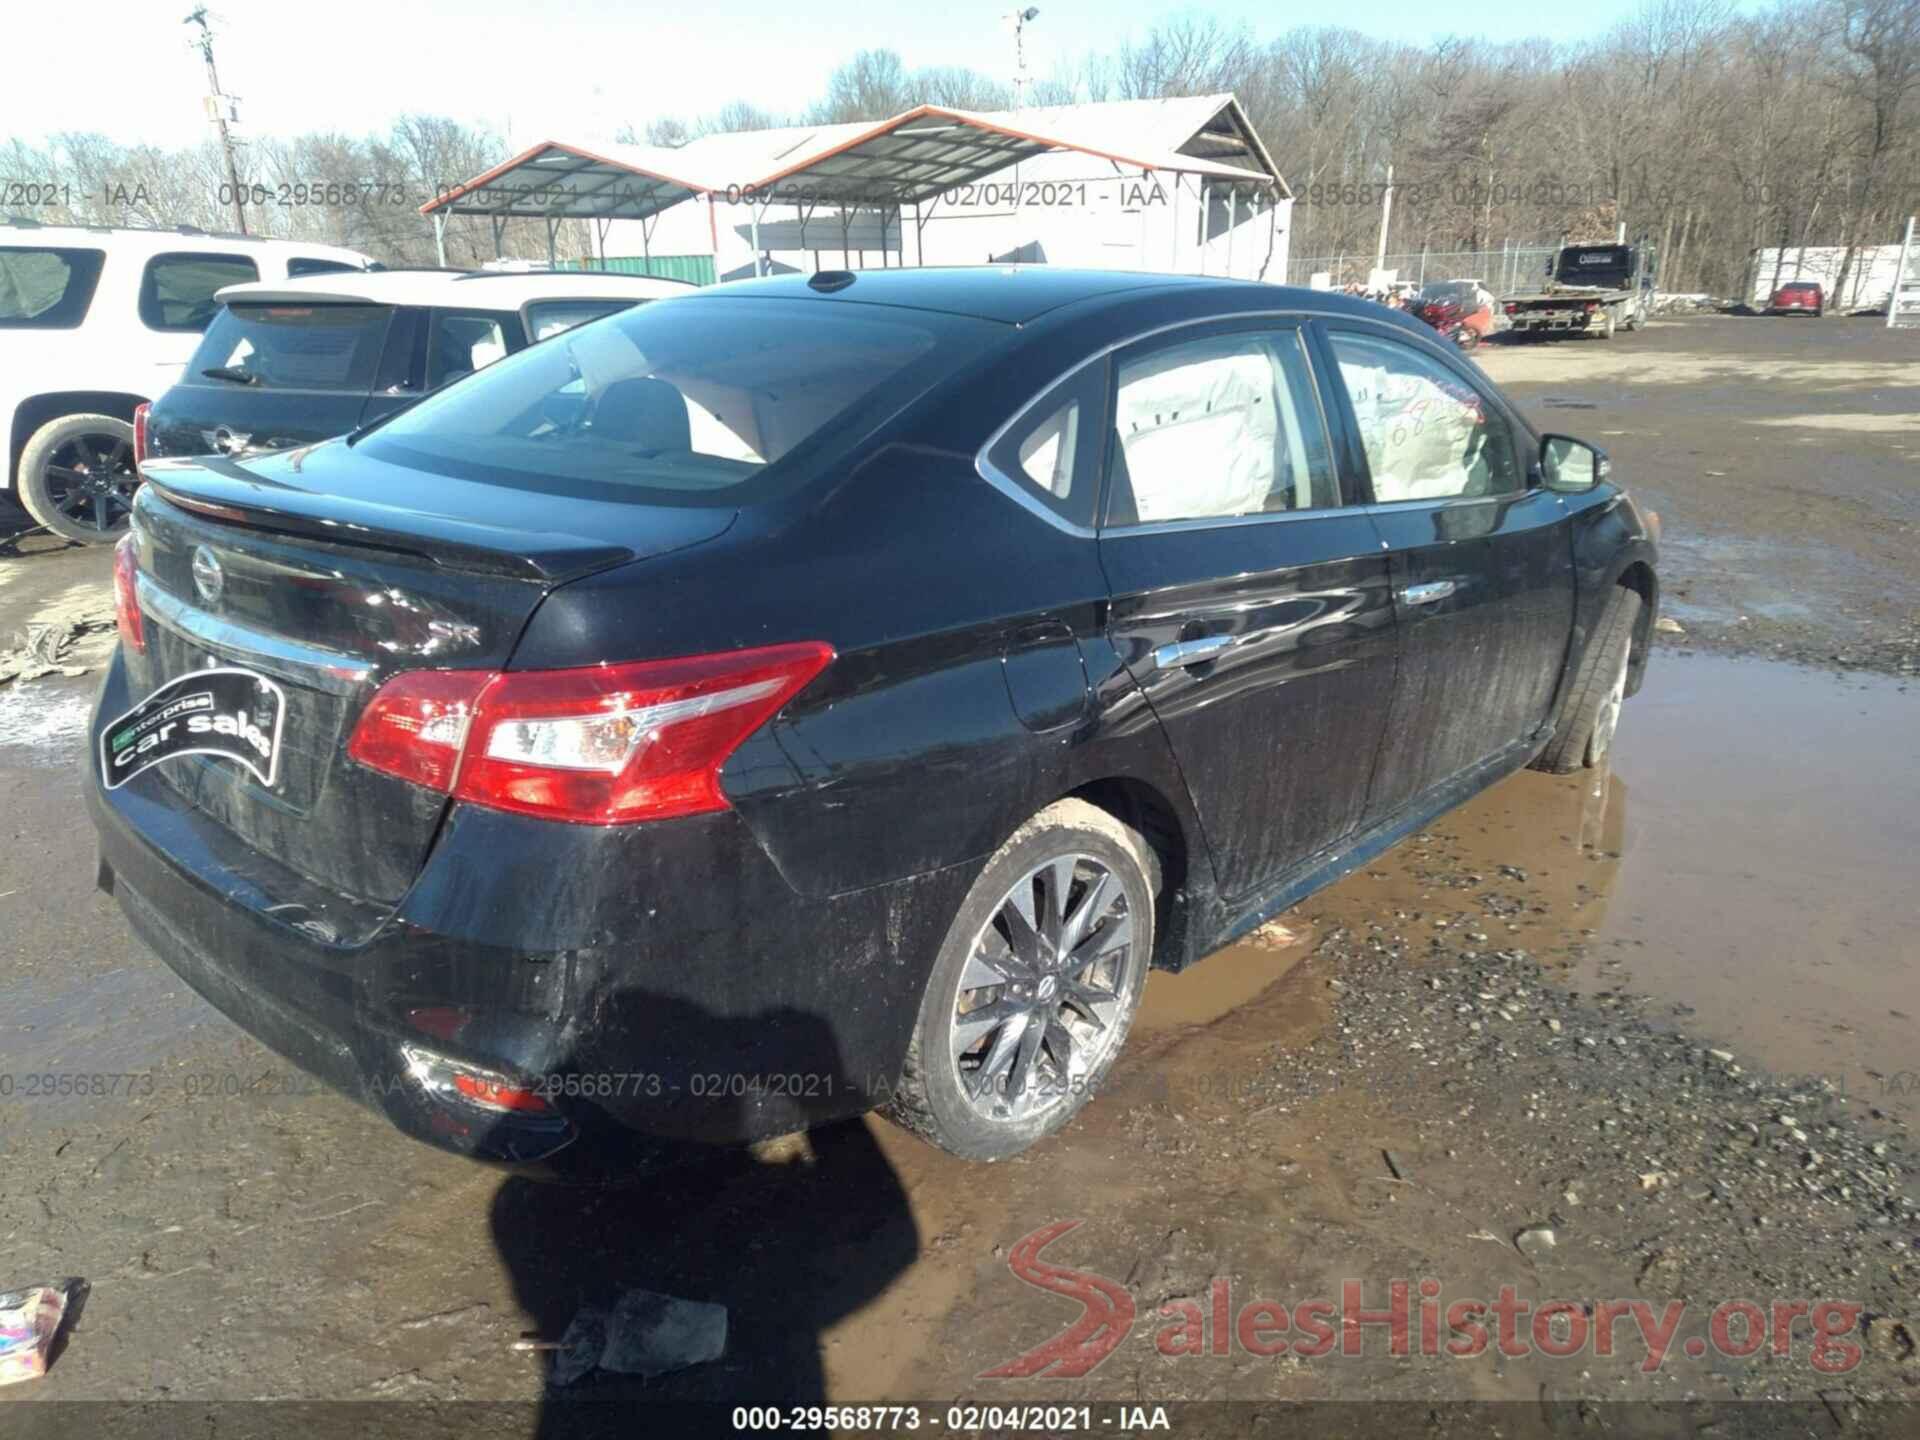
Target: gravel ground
1783	457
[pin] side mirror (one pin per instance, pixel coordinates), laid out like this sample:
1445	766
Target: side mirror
1571	466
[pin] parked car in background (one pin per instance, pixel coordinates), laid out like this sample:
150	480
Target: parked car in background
1799	297
1461	310
820	694
94	322
302	360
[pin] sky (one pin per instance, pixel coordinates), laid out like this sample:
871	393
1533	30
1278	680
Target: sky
579	69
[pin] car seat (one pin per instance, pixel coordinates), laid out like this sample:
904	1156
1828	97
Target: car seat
647	414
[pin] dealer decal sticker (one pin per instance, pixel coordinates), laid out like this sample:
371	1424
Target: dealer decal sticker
233	714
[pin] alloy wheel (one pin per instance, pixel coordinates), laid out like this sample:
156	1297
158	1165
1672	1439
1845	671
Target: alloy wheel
1608	720
90	480
1044	992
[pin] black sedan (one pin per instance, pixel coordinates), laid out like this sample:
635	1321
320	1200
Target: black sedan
827	694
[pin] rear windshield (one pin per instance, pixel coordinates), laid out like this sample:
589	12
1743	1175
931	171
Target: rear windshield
43	288
1605	259
1800	285
680	403
292	347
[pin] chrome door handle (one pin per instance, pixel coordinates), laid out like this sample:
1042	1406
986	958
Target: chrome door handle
1190	652
1427	593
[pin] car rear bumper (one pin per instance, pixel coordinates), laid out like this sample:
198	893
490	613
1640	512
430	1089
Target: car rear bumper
1557	320
661	987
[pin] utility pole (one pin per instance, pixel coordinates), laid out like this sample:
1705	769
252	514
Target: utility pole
1386	214
1020	19
218	109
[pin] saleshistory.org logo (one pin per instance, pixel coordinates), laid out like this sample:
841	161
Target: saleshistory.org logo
1461	1329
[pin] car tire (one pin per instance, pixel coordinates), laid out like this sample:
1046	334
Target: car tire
1605	332
1584	737
986	1089
77	477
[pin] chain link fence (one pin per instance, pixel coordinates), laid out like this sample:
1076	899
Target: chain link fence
1501	270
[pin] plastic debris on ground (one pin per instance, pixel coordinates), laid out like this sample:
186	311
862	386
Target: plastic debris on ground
29	1319
646	1334
48	648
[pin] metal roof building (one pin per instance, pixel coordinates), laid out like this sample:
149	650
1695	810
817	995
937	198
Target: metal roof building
1136	184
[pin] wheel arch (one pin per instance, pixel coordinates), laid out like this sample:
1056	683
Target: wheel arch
1145	807
37	410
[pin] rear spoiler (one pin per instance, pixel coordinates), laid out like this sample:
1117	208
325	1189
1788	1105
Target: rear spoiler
216	488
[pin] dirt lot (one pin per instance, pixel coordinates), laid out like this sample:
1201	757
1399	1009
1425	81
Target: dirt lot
1784	458
1648	1035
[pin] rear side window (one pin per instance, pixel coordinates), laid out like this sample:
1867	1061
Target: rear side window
550	317
459	343
684	402
1051	454
176	292
43	288
293	347
1215	428
307	265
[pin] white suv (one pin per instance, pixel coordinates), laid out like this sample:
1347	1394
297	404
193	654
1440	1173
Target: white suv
94	322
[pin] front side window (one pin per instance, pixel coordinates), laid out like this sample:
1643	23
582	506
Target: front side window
176	291
1428	434
681	403
1215	428
293	347
46	288
550	317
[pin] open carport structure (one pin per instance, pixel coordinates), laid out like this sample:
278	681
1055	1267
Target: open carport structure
802	189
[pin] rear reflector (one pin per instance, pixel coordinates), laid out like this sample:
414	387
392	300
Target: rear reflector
601	745
126	598
140	434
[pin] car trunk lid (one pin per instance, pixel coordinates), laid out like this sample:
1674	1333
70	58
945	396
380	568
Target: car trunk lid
335	572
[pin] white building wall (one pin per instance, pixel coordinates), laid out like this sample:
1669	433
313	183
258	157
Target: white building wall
1869	281
1060	209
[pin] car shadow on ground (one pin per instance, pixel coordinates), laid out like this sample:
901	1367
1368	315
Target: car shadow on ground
791	1237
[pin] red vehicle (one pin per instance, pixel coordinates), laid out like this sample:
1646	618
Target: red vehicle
1461	310
1799	297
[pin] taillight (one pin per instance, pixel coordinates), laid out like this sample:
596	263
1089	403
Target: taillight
126	597
445	1078
140	434
600	745
1592	305
1513	309
416	726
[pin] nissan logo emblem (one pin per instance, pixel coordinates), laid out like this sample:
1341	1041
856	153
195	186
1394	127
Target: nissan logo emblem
208	578
227	442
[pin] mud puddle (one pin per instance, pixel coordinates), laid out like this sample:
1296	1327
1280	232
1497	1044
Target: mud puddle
1203	993
1767	868
1748	864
